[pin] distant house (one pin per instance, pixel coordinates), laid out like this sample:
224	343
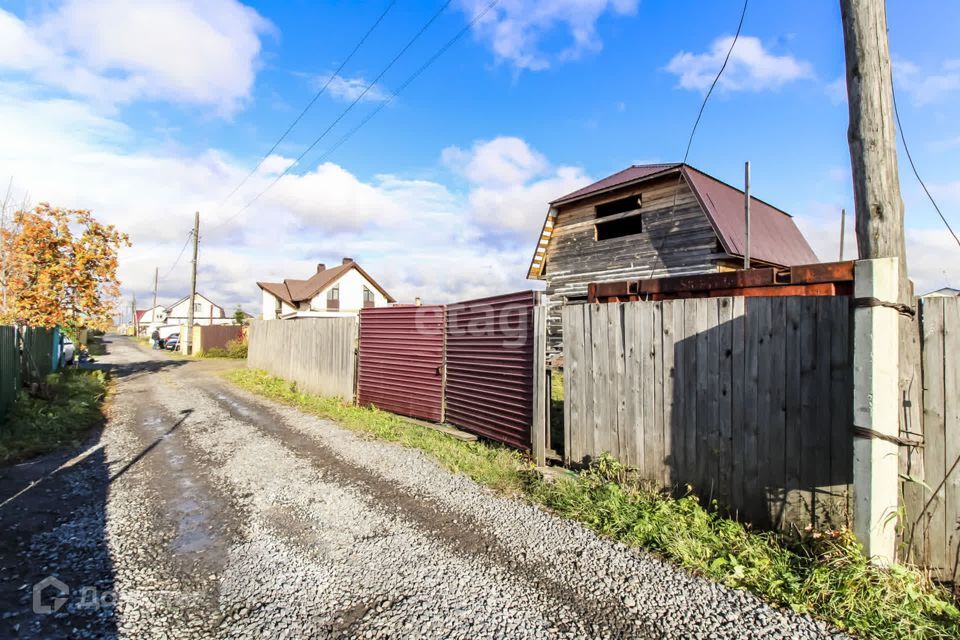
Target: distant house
170	318
652	221
157	314
946	292
340	291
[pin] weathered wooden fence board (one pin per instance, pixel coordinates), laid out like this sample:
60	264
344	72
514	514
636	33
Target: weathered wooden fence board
740	398
933	515
319	354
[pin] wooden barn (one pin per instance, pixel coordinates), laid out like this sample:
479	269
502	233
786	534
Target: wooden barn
656	220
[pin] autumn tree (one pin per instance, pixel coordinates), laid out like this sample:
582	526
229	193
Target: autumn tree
60	268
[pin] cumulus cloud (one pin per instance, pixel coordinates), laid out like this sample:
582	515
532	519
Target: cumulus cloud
751	67
349	89
924	86
417	237
201	52
516	30
511	183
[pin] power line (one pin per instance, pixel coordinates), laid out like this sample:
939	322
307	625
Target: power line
703	106
410	79
340	117
177	261
916	173
316	97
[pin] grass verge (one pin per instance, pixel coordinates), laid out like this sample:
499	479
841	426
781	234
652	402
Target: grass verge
38	425
820	573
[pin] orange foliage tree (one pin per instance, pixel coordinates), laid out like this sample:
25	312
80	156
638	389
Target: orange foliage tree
60	268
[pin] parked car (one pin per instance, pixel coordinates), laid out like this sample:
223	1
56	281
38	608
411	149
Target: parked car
68	353
172	342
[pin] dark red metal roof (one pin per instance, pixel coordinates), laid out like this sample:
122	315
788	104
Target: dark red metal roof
635	172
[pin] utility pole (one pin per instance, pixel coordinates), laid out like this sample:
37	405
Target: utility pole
886	396
133	314
185	340
153	312
746	213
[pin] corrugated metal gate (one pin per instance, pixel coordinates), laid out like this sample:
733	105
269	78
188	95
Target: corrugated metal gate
401	360
490	367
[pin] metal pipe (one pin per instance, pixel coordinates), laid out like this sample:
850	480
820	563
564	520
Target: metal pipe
746	213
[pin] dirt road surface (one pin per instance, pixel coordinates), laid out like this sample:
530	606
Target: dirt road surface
200	511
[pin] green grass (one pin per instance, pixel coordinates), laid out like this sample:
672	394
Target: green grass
234	349
821	573
39	425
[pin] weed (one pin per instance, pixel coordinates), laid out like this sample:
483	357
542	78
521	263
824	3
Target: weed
38	425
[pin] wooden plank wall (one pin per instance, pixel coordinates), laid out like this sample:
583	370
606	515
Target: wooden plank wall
745	399
319	354
541	388
933	514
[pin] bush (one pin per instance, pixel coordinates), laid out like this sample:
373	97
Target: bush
234	349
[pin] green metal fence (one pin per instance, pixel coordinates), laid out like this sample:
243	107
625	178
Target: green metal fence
9	370
38	348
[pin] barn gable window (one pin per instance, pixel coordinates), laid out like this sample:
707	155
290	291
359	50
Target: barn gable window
619	218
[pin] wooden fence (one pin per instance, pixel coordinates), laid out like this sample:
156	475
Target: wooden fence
932	530
747	400
316	353
9	370
214	336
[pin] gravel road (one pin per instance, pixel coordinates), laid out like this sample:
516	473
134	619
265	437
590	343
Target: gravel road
201	511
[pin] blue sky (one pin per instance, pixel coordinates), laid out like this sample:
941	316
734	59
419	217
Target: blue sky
145	112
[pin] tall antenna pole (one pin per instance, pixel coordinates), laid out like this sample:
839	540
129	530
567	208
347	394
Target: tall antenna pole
843	225
185	340
746	213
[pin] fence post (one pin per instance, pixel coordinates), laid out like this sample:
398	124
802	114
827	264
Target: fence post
875	407
541	391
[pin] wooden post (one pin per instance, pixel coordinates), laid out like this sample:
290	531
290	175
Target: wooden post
843	224
746	213
186	340
876	183
541	391
153	312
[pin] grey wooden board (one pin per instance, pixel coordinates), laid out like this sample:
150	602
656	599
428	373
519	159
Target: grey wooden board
319	354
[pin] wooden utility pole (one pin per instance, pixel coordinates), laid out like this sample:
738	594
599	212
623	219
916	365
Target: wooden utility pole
153	312
133	316
872	135
746	213
185	340
880	240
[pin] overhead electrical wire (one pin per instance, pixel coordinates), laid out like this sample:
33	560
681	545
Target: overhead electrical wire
177	261
343	113
903	139
313	101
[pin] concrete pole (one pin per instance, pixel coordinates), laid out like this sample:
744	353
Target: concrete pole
843	228
876	393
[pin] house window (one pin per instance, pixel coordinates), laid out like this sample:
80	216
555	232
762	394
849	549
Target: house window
367	297
196	307
619	218
277	307
333	299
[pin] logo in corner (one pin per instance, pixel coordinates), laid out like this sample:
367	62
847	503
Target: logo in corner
58	600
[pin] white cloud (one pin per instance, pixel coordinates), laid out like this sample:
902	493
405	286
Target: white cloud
926	87
511	184
516	29
751	67
350	89
117	51
417	237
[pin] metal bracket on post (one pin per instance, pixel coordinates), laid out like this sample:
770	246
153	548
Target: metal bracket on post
875	407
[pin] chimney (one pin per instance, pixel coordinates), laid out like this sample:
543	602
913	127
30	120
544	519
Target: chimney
347	260
320	267
417	301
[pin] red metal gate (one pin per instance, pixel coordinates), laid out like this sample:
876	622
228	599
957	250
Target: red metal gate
401	360
490	367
